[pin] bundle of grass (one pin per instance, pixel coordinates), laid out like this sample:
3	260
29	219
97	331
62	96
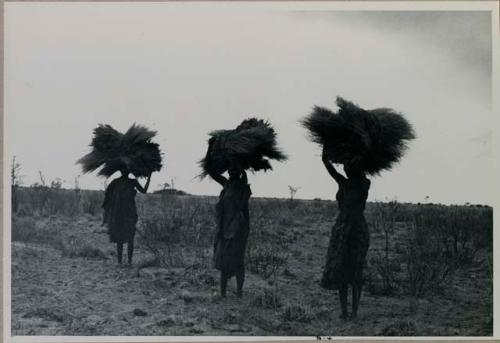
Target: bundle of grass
113	151
375	139
250	146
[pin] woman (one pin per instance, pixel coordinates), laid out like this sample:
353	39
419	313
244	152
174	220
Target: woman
120	213
350	237
232	228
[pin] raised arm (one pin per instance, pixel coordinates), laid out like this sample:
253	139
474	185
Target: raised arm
339	178
219	178
145	188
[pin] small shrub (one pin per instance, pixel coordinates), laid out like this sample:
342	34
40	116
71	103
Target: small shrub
267	298
428	265
27	229
297	313
73	249
170	225
266	259
24	230
92	202
151	261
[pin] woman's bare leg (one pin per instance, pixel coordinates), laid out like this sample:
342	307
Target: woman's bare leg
240	279
360	287
343	300
119	252
355	299
223	284
130	251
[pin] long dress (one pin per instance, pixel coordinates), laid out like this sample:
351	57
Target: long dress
233	225
350	238
120	213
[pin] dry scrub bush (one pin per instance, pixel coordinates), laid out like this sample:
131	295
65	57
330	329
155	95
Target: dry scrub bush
177	230
43	201
424	246
266	298
384	264
440	241
267	251
74	248
297	313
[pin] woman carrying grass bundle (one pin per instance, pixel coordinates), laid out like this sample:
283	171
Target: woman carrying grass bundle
130	153
120	212
249	146
350	238
233	225
365	142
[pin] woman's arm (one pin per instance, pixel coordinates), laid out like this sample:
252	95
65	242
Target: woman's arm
140	188
219	178
331	169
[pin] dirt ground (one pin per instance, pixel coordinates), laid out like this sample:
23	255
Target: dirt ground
57	293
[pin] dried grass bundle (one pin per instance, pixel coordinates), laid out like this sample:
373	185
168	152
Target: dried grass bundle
376	139
114	151
250	146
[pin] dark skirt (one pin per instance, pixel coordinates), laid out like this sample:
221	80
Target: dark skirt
346	255
120	213
229	255
122	231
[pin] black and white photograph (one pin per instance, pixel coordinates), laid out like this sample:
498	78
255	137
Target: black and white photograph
249	169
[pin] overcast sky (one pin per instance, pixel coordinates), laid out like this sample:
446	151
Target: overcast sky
185	70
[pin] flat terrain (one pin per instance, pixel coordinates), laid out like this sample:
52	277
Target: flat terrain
66	281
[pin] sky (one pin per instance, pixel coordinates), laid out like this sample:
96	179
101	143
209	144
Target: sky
185	70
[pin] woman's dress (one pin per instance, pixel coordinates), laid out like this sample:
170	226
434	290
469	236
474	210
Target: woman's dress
350	238
232	227
120	213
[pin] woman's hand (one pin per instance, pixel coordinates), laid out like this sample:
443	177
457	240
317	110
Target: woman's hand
145	188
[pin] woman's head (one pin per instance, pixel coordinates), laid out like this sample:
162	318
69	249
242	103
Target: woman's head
234	172
353	170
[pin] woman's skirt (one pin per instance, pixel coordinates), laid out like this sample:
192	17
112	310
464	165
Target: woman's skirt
230	255
346	255
123	231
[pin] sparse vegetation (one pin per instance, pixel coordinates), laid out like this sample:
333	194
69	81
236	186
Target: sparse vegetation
432	257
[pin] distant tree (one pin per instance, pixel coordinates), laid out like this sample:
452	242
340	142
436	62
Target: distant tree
15	178
57	183
42	179
293	191
77	183
165	186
